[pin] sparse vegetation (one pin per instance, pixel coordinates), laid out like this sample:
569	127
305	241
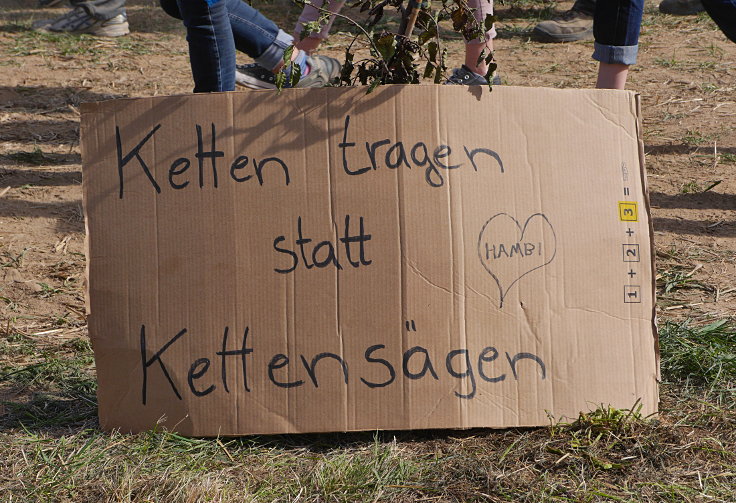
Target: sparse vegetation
51	446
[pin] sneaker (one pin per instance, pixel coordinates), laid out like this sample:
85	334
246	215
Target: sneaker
254	77
466	77
78	20
323	71
568	27
681	7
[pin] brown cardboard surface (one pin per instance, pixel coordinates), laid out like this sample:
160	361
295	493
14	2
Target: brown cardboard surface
327	260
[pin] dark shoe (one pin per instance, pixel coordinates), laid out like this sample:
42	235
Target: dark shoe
681	7
466	77
254	77
78	21
570	26
323	71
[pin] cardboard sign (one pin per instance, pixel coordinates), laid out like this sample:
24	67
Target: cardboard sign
327	260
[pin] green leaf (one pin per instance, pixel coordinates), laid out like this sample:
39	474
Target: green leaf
386	45
489	20
287	55
296	74
280	80
481	57
432	50
459	19
373	86
347	68
427	35
429	69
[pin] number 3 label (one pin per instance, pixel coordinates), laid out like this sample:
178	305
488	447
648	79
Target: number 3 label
627	211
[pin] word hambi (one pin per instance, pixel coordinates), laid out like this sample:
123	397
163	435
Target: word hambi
509	251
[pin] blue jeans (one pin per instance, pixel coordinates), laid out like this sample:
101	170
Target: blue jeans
215	29
723	13
616	25
101	9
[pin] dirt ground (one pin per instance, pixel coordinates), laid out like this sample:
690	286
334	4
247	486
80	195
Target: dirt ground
686	75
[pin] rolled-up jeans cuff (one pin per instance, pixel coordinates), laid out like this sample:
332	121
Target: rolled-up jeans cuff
615	54
274	54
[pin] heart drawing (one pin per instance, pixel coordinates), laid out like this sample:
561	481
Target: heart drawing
510	251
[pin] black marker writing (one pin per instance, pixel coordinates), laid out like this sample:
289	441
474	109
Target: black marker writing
316	370
392	155
324	253
208	169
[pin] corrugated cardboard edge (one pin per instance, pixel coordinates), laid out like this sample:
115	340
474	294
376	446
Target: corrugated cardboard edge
647	205
85	109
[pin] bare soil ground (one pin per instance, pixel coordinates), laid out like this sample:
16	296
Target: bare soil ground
49	447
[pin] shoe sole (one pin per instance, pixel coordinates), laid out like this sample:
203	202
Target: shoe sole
244	80
543	36
116	30
113	30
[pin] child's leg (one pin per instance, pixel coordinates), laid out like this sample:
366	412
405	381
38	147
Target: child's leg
474	48
211	44
616	27
612	76
311	13
257	36
215	28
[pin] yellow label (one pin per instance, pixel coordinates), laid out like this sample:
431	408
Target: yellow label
627	211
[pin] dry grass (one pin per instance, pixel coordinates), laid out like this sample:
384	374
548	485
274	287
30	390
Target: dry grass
51	448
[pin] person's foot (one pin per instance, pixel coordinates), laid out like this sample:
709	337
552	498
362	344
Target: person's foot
78	21
681	7
323	71
254	76
466	77
570	26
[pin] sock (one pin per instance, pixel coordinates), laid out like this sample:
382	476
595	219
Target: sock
301	60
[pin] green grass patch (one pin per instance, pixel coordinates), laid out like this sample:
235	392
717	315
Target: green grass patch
700	356
65	45
695	138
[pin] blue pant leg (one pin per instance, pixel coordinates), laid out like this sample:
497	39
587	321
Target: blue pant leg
585	6
171	8
101	9
723	13
256	35
211	44
216	29
616	25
